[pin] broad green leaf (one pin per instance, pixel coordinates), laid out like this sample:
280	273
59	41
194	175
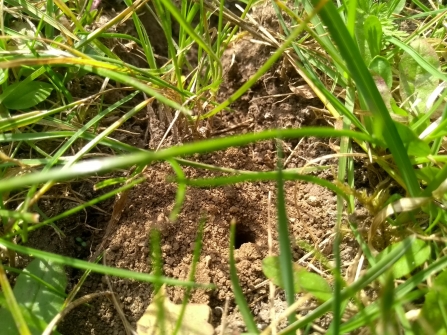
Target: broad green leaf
415	256
25	96
40	302
416	83
373	35
380	66
304	281
435	303
414	145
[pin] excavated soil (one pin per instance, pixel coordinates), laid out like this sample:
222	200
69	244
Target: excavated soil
311	209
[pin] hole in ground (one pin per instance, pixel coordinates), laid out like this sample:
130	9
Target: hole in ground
243	235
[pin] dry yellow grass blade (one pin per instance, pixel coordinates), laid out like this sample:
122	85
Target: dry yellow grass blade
399	206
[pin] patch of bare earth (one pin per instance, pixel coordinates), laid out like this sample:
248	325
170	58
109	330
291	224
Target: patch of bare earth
311	209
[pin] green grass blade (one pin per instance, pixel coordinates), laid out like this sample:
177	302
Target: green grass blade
181	190
169	5
237	290
192	273
285	252
107	270
289	174
420	60
27	217
12	304
109	142
90	167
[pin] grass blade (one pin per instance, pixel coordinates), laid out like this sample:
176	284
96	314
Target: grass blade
285	252
107	270
237	290
12	303
90	167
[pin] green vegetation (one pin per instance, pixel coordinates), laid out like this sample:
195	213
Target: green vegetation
393	109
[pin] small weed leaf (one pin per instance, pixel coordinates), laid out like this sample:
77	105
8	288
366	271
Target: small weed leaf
39	302
304	281
416	83
397	110
414	257
414	145
434	305
400	4
427	173
361	38
373	34
26	95
380	66
383	90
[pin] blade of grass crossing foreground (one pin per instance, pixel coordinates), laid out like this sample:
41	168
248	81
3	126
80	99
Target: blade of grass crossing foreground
386	326
192	274
285	252
107	270
344	162
372	274
237	290
30	137
12	304
368	90
89	167
421	5
289	174
28	217
181	190
157	270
